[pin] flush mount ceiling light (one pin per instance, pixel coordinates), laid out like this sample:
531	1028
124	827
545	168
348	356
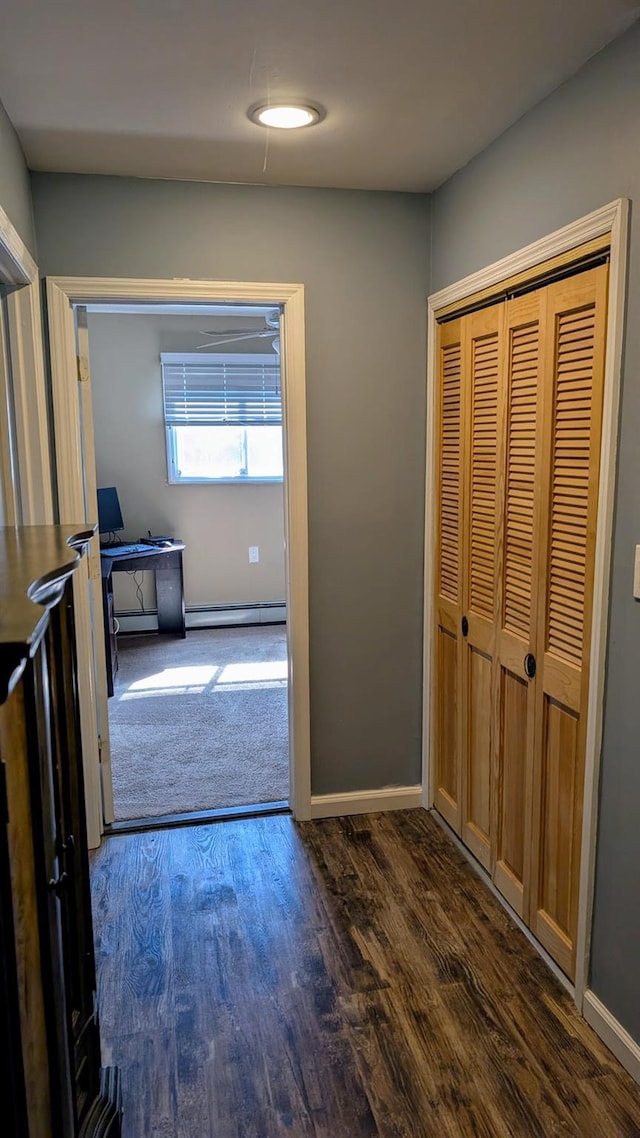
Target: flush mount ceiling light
285	116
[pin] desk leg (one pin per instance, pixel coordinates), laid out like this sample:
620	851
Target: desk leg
170	598
110	645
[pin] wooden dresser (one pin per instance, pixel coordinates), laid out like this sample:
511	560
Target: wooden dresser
52	1084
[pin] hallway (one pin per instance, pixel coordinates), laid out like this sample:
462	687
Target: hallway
351	977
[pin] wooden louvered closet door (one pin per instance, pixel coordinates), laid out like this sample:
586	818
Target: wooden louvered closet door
519	507
481	366
572	412
448	590
519	414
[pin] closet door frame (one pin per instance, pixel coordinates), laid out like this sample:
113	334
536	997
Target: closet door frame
30	497
610	221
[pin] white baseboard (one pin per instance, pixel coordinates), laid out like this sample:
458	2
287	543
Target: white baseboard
365	801
213	617
611	1032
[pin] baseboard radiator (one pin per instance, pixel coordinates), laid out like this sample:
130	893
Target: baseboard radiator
208	616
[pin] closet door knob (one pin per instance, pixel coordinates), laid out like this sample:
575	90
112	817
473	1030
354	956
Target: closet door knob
530	665
465	626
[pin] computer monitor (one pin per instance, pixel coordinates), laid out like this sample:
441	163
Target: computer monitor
109	512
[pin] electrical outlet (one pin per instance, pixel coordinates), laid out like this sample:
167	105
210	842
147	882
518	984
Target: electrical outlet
254	553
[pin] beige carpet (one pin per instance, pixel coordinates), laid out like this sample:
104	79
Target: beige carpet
199	723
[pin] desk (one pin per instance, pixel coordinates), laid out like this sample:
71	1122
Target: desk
166	562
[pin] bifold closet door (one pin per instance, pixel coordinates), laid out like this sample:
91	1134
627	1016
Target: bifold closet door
520	387
448	573
481	369
519	506
574	347
469	363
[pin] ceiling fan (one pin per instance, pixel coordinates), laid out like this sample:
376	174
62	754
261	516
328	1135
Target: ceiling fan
235	335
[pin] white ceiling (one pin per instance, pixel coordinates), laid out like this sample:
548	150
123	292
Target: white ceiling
160	88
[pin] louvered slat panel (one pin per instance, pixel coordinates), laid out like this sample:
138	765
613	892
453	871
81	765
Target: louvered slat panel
570	483
483	474
450	473
522	380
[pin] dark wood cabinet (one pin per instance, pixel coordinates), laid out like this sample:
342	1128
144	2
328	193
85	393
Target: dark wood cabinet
51	1079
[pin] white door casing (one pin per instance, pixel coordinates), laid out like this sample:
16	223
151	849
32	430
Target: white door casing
95	567
19	272
9	479
62	294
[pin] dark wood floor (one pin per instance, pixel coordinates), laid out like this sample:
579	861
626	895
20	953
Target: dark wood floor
343	978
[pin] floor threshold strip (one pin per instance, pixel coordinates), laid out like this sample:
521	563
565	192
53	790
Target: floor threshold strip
196	818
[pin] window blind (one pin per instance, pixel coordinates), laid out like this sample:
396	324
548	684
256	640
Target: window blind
214	389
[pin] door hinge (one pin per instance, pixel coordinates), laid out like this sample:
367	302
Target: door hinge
83	369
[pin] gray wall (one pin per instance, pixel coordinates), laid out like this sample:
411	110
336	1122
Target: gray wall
217	523
15	192
579	150
363	258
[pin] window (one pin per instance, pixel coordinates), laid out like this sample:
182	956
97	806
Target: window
223	417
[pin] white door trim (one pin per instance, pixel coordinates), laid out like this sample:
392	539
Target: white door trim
85	408
19	272
613	219
62	293
17	266
9	477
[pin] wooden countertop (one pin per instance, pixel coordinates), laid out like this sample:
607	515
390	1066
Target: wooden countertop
35	563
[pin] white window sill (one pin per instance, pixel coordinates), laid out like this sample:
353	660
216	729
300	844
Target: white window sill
223	481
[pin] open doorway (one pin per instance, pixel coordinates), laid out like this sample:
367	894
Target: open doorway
246	663
187	430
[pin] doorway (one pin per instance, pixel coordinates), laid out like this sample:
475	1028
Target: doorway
186	410
71	420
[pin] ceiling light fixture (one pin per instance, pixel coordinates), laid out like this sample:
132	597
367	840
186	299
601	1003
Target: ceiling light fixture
285	116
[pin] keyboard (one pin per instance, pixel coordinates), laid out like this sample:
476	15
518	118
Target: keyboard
126	550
